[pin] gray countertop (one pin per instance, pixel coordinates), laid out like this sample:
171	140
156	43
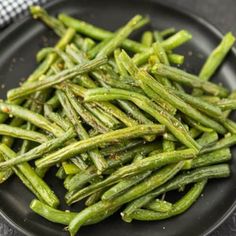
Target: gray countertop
222	14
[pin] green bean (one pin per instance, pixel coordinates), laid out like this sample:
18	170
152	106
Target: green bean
37	183
15	122
39	12
147	38
107	79
88	44
175	58
153	181
198	103
135	112
215	157
216	57
95	155
149	163
157	36
179	207
188	79
127	106
226	104
80	161
7	140
121	70
145	104
70	168
176	40
171	43
123	185
101	34
4	175
97	33
175	101
157	98
25	181
84	145
36	106
210	99
60	174
56	118
207	139
159	206
196	125
58	216
122	146
119	36
53	102
54	79
39	150
51	214
194	133
94	197
109	44
111	122
85	114
228	141
114	161
167	32
34	118
168	146
193	176
22	133
109	107
53	23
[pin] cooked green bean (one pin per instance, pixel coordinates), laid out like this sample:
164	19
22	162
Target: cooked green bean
47	195
145	104
149	163
179	207
147	38
32	87
85	115
57	216
215	157
119	36
84	145
176	58
152	182
125	184
95	155
39	150
114	161
175	101
159	206
216	57
22	133
34	118
193	81
209	172
228	141
117	129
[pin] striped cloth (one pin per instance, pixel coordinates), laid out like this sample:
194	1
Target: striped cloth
13	9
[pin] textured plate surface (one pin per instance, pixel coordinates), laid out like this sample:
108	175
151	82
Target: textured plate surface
18	46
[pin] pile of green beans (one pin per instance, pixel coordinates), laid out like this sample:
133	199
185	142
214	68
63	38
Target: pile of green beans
119	120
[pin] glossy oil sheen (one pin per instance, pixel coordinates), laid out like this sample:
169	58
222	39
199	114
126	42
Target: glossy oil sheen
18	47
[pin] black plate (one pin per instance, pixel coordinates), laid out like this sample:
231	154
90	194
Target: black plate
18	46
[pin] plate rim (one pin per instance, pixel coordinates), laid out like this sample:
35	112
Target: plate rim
184	11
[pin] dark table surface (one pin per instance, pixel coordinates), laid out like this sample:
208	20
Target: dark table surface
222	14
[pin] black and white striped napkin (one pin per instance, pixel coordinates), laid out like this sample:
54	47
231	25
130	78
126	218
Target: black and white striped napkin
13	9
